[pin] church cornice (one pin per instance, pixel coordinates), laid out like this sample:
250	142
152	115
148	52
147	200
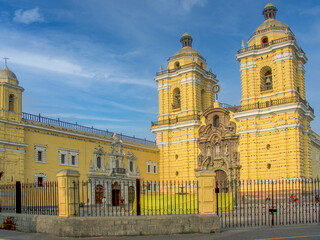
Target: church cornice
184	70
12	86
256	52
271	111
178	126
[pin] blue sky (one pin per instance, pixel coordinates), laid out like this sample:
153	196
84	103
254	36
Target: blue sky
93	61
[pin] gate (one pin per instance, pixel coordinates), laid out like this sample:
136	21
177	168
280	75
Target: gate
267	202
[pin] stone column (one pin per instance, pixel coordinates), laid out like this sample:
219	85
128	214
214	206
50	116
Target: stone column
68	190
206	185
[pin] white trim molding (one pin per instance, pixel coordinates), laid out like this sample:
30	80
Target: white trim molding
190	80
178	126
248	65
274	110
40	153
15	144
284	56
163	86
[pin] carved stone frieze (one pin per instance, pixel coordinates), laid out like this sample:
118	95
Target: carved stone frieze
218	143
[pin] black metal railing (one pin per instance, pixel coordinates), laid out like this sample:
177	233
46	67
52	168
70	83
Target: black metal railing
175	120
184	67
264	45
77	127
29	198
169	198
270	103
268	202
135	197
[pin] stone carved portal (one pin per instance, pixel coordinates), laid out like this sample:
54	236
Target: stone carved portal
218	143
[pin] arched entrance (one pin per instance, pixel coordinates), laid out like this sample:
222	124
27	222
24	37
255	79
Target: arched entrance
99	194
131	194
116	194
222	180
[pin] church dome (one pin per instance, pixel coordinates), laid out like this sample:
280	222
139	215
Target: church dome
187	50
6	73
271	23
269	12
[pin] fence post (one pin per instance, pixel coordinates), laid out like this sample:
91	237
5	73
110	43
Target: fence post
68	191
18	197
138	197
206	185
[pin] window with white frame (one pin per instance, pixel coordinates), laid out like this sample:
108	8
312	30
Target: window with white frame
40	180
74	158
131	160
148	166
152	167
63	157
40	153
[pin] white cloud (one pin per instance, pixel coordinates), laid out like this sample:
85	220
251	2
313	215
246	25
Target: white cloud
188	4
49	63
28	16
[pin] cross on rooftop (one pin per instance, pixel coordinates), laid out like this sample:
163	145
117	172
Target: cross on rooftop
5	60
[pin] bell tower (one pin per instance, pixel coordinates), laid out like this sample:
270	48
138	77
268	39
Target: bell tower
274	119
12	146
185	91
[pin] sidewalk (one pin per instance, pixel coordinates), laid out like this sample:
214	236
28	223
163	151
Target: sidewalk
292	232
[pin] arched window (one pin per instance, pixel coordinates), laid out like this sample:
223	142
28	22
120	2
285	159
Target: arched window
203	100
216	121
98	162
176	65
264	41
11	103
266	79
176	99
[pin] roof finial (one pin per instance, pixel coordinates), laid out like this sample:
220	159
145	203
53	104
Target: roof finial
5	61
269	11
186	40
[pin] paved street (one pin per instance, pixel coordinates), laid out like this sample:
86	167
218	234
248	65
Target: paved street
303	232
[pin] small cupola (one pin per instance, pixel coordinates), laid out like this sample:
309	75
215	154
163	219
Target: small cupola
269	11
6	73
186	40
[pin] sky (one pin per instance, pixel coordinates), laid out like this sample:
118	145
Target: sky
93	61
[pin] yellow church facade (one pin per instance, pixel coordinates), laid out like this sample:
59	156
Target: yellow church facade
267	137
272	125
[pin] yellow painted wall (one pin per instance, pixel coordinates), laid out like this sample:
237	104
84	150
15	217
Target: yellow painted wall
85	146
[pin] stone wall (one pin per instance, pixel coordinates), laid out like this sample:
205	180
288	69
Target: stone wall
115	226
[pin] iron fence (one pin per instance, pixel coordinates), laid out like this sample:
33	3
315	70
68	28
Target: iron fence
106	197
134	197
169	198
29	198
268	203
